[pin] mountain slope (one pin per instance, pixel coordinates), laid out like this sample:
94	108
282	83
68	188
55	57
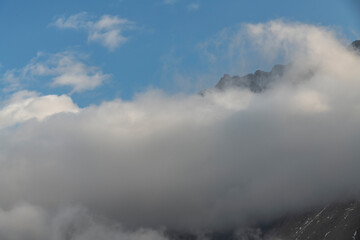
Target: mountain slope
334	222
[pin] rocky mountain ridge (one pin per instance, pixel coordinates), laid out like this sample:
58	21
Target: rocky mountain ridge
256	82
260	80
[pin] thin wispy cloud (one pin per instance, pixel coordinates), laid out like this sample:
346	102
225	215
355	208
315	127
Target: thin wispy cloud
76	21
107	30
63	69
170	2
193	7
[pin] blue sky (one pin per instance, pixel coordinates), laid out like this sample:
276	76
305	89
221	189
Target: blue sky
159	43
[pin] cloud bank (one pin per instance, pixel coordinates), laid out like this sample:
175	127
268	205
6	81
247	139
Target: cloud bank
228	159
29	222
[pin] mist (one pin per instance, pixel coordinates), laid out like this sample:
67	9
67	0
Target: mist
223	160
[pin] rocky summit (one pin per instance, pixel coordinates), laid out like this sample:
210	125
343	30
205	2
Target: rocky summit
256	82
260	80
356	45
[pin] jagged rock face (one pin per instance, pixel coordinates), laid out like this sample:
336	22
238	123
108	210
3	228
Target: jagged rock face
335	222
356	45
256	82
260	80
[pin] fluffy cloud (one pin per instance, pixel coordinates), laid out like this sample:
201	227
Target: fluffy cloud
65	68
223	160
107	30
26	105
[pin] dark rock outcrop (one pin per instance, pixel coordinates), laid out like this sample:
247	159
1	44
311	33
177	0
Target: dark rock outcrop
256	82
259	81
334	222
355	45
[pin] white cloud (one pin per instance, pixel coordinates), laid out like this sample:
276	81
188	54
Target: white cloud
107	30
24	105
193	6
65	69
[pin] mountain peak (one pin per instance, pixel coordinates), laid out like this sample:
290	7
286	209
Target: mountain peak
356	45
256	82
